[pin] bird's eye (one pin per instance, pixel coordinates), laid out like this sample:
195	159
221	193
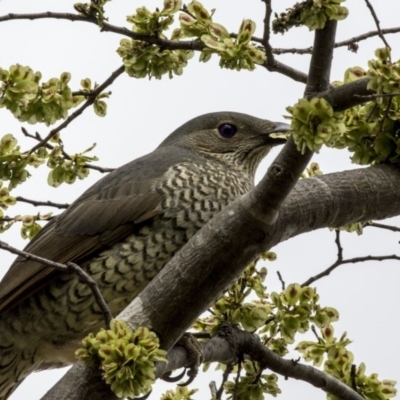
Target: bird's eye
227	130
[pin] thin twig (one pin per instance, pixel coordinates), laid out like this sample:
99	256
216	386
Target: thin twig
338	245
83	276
80	110
267	32
386	114
377	23
18	218
68	267
213	388
186	11
239	370
225	377
65	154
7	219
281	280
163	43
314	331
354	260
347	42
42	203
376	95
383	226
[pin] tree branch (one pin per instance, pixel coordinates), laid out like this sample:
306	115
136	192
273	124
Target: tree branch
287	70
348	95
224	347
383	226
194	279
267	21
42	203
164	43
65	154
377	23
347	42
354	260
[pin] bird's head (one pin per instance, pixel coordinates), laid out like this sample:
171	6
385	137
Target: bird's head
237	139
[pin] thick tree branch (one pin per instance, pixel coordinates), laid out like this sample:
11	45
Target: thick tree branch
321	60
231	341
196	278
253	224
348	95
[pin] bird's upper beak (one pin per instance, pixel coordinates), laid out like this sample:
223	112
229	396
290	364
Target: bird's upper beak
278	134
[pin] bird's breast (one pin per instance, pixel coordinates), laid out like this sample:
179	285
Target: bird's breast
193	193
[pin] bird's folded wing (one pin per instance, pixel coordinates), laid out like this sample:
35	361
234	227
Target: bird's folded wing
106	213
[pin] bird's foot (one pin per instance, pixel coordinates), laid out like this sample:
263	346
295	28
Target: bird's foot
196	357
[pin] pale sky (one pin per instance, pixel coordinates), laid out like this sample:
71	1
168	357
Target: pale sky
141	113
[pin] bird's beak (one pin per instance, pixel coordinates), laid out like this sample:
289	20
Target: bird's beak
278	134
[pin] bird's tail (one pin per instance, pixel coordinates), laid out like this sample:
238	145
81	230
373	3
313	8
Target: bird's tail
15	366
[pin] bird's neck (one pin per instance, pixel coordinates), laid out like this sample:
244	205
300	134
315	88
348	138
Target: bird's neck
244	163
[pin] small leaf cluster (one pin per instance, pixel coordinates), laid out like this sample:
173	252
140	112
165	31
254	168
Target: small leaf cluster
278	316
235	53
64	168
154	23
12	162
313	170
312	13
99	105
93	10
252	386
370	131
232	306
314	123
180	393
30	227
142	59
294	309
67	169
5	200
31	101
373	129
13	169
356	227
369	386
127	358
339	362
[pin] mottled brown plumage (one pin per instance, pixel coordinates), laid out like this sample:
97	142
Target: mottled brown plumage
122	231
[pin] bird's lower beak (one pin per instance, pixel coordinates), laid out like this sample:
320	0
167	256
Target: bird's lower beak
278	134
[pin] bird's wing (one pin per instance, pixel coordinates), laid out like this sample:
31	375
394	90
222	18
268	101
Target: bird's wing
106	213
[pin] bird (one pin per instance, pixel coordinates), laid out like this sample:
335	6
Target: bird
122	231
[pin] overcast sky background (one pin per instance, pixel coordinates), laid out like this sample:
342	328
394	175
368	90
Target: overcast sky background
141	113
